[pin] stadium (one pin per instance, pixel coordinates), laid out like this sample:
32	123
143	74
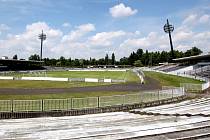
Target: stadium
96	98
145	96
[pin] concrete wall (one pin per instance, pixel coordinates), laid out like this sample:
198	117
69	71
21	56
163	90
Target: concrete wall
123	70
91	80
45	79
107	80
6	78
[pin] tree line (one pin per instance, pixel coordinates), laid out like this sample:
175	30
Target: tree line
136	58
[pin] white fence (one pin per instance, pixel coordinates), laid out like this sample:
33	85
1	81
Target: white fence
107	80
123	70
94	80
6	78
64	79
45	79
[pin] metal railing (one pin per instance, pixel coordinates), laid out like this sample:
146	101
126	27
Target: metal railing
89	102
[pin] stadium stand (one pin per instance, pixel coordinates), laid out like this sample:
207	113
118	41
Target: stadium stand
195	65
115	125
12	64
195	107
203	72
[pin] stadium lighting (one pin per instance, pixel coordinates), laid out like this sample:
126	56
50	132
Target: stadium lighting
168	28
42	37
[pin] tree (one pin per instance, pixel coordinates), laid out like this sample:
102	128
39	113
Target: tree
68	62
139	53
124	61
113	59
192	52
145	58
136	58
62	61
101	61
138	63
81	62
15	57
107	59
93	61
34	57
164	57
76	62
133	57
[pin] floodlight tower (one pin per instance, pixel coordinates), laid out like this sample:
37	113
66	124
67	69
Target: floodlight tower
42	37
168	28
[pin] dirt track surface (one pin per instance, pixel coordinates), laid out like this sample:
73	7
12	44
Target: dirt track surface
151	84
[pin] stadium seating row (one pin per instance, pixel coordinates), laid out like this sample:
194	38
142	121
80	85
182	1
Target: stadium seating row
117	125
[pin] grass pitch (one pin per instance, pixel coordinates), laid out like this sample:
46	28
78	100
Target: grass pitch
119	75
45	84
170	80
129	76
88	74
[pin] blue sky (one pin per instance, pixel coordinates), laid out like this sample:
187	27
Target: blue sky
92	28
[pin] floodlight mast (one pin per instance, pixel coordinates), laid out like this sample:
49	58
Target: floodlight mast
42	37
168	28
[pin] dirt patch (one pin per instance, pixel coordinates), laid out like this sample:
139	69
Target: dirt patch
151	84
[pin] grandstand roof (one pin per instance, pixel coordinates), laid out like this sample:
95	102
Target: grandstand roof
196	58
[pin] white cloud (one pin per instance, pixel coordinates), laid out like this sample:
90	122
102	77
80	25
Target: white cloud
193	20
182	47
204	19
122	11
190	19
4	27
182	36
105	38
153	39
27	43
66	24
137	32
79	32
186	40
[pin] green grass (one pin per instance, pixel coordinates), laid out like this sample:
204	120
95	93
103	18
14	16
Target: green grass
44	84
170	80
88	74
59	95
80	74
129	76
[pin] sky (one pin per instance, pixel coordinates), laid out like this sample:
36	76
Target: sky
92	28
